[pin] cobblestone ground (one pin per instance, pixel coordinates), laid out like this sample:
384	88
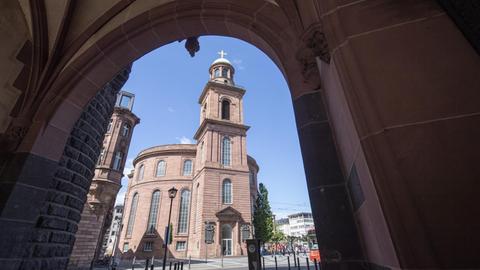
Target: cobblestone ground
231	263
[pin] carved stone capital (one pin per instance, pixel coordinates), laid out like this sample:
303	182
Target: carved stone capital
314	44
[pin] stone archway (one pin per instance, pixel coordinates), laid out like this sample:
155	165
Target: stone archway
394	171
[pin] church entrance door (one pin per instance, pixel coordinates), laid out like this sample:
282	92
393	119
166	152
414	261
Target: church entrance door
227	240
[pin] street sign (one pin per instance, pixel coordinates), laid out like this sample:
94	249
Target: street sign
245	229
209	233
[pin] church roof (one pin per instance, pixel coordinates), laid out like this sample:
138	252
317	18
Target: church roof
222	61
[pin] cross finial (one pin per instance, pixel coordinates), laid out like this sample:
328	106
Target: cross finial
222	53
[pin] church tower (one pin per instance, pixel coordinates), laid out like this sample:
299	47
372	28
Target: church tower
97	212
221	190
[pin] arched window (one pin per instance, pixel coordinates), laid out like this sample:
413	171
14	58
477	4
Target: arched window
152	216
226	151
109	127
125	130
225	72
131	217
216	72
141	169
251	177
183	213
187	167
227	191
225	109
117	160
161	168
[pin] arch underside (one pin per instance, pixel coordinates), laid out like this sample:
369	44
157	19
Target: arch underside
382	134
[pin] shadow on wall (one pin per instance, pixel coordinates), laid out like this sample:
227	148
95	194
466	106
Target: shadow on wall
151	245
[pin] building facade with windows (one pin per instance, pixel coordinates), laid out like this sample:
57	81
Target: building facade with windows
111	235
97	212
300	224
215	178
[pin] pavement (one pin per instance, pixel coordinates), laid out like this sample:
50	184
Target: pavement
231	263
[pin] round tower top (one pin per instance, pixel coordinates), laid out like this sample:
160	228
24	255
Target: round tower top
221	70
222	58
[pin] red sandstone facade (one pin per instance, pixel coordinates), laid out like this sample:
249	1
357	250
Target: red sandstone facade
215	178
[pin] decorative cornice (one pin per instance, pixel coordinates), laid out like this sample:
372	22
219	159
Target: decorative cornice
207	121
216	85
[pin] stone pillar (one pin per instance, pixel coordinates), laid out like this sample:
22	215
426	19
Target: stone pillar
332	211
402	93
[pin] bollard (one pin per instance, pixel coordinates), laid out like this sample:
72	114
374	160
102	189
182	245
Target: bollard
298	263
175	266
288	262
170	267
315	263
308	263
152	267
147	263
181	264
189	261
263	263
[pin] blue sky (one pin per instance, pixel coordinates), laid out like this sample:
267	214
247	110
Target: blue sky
167	83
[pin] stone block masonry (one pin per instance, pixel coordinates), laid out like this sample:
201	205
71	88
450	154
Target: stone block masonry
51	241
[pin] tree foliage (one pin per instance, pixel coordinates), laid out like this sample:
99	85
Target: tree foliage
278	236
262	216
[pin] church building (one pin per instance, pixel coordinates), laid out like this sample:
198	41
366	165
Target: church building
215	179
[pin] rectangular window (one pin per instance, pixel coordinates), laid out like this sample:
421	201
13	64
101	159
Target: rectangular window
181	245
125	101
147	246
125	247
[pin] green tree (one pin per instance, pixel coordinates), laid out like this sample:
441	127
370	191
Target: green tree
278	236
262	216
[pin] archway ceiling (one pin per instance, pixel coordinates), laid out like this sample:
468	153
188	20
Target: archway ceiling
85	40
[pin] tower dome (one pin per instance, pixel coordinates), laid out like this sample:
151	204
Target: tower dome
221	70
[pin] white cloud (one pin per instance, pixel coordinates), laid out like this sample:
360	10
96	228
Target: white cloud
120	197
239	64
170	109
128	166
184	140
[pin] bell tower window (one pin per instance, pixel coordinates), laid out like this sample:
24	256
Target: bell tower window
216	73
225	72
226	109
